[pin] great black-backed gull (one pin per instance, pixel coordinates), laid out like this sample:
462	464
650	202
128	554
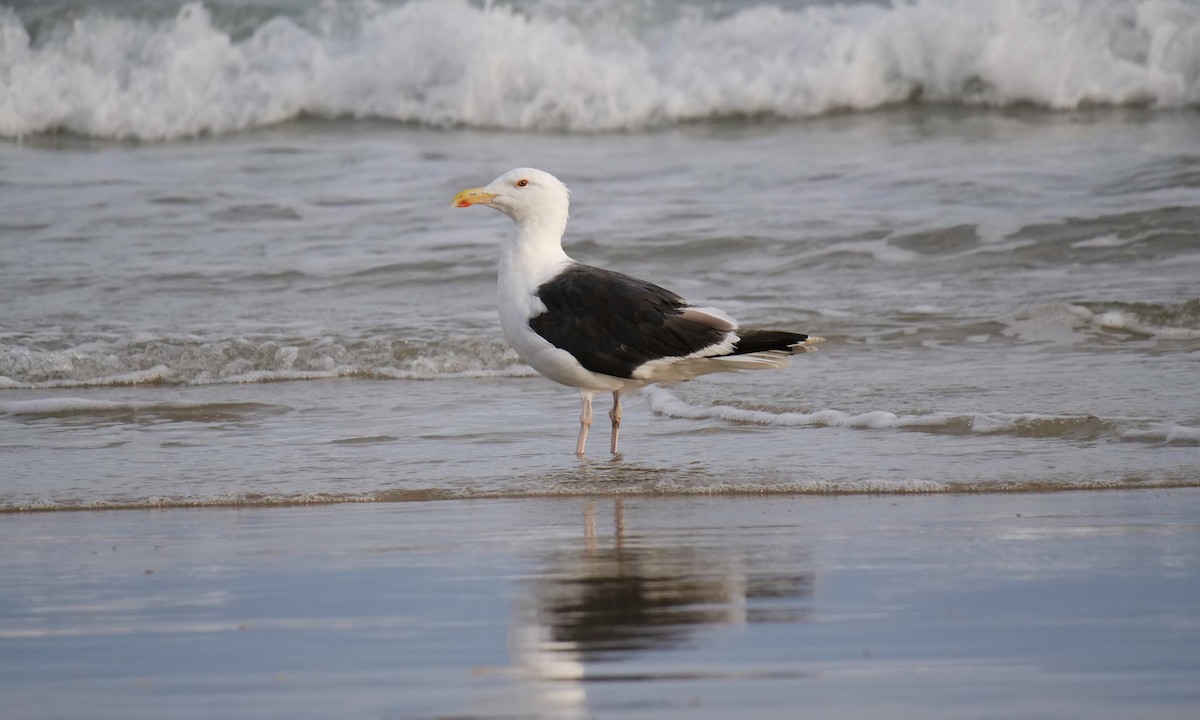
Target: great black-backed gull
598	330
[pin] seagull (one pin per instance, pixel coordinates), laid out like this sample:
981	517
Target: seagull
598	330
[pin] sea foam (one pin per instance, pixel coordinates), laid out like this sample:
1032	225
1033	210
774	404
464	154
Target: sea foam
539	65
93	361
1067	427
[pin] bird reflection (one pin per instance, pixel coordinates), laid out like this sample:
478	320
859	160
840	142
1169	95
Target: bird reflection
619	595
629	595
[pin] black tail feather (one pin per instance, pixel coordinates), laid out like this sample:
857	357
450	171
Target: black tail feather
752	341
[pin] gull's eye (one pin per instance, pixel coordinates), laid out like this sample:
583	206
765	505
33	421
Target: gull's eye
522	183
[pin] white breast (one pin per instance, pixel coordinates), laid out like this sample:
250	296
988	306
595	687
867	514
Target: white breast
521	274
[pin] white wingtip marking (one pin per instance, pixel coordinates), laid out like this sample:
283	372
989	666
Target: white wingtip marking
806	346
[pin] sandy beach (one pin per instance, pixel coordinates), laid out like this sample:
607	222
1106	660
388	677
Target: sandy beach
1025	605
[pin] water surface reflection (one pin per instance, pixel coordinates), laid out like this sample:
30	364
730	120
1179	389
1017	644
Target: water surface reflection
598	608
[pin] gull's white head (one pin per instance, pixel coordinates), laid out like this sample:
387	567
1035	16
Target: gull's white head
526	195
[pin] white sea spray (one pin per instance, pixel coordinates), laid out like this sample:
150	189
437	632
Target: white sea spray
453	63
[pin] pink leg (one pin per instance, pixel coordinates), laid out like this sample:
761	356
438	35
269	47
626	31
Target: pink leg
615	416
585	420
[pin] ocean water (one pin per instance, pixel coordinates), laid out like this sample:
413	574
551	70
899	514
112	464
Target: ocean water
229	272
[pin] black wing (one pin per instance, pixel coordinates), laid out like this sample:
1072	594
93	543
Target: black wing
613	323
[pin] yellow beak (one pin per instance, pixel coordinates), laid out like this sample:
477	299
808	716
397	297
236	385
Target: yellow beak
472	196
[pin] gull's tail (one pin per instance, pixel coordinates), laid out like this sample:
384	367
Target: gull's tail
754	350
758	341
763	350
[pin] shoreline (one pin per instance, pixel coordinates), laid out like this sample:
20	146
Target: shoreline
440	495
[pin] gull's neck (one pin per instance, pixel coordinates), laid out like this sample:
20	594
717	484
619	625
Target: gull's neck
534	251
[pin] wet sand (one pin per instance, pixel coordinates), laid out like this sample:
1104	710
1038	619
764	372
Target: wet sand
1030	605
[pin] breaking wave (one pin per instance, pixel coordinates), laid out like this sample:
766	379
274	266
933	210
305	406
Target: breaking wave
1180	321
1062	322
100	362
101	70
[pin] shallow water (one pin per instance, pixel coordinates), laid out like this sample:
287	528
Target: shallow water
1049	605
294	313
